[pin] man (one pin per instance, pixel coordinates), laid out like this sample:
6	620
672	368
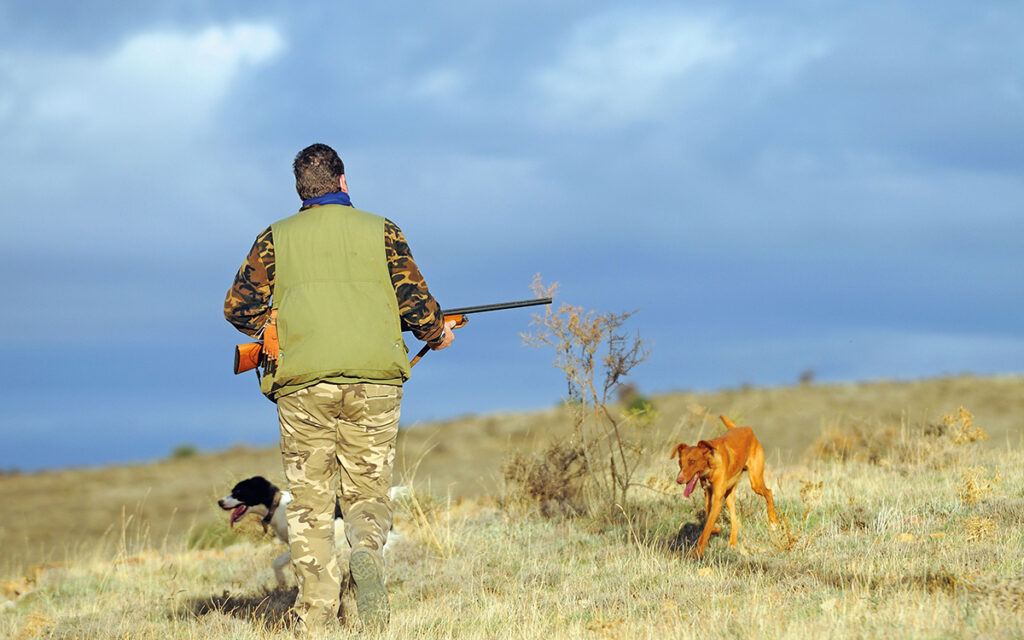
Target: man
339	285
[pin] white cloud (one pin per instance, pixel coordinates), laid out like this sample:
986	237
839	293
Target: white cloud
151	82
444	85
619	68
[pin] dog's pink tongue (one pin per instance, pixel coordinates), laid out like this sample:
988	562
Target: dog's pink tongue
690	485
237	514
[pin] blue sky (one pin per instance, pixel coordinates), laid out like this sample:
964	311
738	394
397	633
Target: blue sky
774	187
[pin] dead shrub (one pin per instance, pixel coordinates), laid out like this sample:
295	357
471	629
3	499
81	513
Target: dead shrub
936	444
861	441
595	354
35	625
957	426
977	485
978	528
552	481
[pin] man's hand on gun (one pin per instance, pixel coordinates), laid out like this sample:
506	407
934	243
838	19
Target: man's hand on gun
449	335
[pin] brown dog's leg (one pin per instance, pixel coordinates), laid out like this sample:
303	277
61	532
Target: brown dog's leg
707	509
716	508
734	522
755	470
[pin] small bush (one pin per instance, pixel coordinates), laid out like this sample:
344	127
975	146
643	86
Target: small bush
636	404
862	441
979	528
957	426
552	481
936	444
184	451
641	407
977	485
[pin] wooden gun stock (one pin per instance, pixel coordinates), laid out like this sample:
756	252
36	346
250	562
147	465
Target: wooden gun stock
247	356
459	318
256	354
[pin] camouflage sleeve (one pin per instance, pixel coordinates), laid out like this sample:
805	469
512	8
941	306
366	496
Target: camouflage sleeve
247	305
419	310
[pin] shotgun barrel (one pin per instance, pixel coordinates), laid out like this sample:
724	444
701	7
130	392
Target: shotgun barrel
459	316
495	307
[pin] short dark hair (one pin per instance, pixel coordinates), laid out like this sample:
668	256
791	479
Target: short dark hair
317	169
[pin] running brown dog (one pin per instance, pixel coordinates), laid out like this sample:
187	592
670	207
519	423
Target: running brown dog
718	464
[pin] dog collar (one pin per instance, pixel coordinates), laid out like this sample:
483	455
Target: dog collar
274	504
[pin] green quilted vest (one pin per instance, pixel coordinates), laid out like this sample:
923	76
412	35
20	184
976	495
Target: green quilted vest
337	318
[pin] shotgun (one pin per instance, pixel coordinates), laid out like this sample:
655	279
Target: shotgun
264	352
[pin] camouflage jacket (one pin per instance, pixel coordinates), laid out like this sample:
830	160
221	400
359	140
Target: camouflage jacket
247	305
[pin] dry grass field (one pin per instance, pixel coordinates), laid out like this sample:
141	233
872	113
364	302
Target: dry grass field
898	524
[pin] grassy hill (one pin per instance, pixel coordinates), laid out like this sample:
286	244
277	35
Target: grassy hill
878	542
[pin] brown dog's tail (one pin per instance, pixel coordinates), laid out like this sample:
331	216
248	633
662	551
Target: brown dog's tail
728	422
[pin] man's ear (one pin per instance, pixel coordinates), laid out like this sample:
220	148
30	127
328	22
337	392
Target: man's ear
342	183
679	449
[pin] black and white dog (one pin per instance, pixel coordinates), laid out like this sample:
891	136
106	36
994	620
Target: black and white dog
258	496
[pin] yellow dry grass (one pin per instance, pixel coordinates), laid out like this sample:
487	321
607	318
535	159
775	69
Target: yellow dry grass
869	550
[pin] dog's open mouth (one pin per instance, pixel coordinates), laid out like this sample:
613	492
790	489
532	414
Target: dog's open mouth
237	514
690	486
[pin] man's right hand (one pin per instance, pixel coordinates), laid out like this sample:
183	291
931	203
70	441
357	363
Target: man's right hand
449	336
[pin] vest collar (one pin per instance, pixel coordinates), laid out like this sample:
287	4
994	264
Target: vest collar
337	197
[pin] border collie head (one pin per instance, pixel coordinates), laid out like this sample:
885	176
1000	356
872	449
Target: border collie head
254	494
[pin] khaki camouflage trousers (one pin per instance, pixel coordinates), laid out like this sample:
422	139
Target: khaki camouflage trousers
336	440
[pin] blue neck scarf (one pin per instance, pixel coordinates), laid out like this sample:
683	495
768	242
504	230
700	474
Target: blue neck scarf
337	197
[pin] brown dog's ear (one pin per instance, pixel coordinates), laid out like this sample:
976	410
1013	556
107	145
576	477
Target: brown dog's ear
679	449
709	451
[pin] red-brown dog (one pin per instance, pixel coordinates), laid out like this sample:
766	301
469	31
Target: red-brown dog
718	464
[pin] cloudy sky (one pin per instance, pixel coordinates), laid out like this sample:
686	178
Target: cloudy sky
775	188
